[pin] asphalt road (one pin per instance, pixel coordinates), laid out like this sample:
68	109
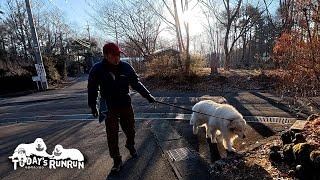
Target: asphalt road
62	117
57	117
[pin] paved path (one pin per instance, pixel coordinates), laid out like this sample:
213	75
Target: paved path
157	134
89	137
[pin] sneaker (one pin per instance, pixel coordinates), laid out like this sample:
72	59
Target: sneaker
132	151
117	164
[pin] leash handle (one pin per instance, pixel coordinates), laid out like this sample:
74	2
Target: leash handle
190	110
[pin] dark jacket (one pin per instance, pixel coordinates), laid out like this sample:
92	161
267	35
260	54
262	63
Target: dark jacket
114	81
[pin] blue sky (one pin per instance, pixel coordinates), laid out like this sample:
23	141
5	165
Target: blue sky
75	10
77	13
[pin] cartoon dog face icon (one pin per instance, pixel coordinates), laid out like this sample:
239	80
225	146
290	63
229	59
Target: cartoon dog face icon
60	153
57	150
21	155
40	145
40	148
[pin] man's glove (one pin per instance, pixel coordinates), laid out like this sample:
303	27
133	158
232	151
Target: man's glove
151	99
94	112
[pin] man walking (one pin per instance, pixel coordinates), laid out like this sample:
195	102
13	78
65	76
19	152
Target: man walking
113	77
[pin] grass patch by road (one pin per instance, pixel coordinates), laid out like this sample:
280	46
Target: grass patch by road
201	80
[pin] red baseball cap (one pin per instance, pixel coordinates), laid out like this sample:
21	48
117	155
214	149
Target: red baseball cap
112	48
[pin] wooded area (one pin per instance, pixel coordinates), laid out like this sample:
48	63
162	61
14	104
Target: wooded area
266	35
63	52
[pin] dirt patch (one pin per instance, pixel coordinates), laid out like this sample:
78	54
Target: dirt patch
252	162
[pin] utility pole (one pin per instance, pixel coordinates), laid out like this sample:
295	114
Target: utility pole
91	53
39	66
88	29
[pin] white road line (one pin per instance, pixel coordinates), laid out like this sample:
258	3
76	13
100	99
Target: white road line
141	116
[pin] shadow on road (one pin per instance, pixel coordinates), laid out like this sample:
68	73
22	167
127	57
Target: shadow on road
279	105
34	101
148	156
52	135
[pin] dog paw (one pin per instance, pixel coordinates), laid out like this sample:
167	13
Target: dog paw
233	150
231	153
213	140
195	130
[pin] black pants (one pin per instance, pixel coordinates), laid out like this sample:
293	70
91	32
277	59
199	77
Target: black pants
125	116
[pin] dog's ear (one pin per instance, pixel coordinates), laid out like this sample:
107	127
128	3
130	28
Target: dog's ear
44	146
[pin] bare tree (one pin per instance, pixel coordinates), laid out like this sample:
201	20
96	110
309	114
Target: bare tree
132	21
175	10
231	15
18	23
213	36
234	24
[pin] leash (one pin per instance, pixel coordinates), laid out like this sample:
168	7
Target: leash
190	110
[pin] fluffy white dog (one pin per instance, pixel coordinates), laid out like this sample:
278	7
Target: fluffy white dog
60	153
41	148
224	119
37	148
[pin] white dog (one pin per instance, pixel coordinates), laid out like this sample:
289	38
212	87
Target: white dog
37	148
224	118
60	153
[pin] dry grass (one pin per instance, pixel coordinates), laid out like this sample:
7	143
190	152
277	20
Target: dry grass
233	80
201	80
312	132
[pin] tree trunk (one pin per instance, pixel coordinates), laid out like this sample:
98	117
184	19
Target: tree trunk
186	24
62	54
2	43
227	61
226	50
214	58
244	48
178	32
